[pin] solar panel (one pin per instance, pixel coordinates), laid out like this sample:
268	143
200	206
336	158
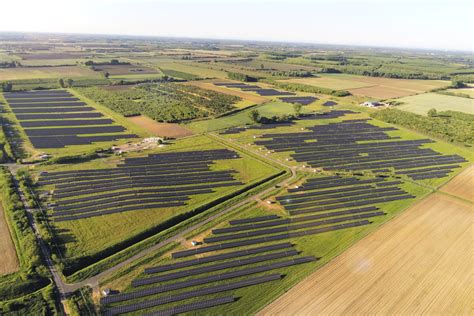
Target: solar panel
193	306
186	295
214	267
213	258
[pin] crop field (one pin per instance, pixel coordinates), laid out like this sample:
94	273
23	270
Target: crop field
462	185
10	262
418	263
160	129
187	67
422	103
46	72
379	88
126	69
83	232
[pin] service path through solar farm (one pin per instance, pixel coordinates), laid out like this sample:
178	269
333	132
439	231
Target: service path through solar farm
351	175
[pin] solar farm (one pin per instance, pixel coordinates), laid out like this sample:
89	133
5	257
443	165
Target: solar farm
57	119
136	184
213	178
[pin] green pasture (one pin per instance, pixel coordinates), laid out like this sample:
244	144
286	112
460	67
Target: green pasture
422	103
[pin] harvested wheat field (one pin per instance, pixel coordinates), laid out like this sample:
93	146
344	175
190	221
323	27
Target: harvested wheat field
246	96
462	185
9	261
160	129
419	263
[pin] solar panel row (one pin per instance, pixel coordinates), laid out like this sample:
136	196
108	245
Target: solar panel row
193	306
60	105
228	255
282	229
204	249
214	267
338	146
196	293
203	280
285	221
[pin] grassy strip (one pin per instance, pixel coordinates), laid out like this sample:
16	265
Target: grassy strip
33	274
179	74
41	302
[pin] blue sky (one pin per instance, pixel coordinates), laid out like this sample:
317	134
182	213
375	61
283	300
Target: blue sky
435	24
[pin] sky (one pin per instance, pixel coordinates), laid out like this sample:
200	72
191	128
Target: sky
429	24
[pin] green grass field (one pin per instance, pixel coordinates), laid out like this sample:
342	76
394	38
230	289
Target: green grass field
242	118
422	103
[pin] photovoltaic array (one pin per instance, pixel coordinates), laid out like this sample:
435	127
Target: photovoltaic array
55	119
358	145
314	116
303	100
257	245
193	279
254	88
155	181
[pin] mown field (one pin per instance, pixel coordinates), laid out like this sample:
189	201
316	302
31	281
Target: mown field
46	72
85	238
422	103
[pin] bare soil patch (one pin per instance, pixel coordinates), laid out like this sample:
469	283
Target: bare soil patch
462	185
419	263
161	129
9	261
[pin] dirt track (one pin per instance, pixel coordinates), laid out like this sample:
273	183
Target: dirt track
462	185
419	263
9	260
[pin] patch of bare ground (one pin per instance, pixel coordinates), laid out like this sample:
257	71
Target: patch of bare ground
9	261
419	263
462	185
160	129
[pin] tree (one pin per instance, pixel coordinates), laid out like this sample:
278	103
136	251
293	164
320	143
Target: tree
70	82
255	116
432	113
297	107
114	62
7	86
458	84
106	75
262	66
61	83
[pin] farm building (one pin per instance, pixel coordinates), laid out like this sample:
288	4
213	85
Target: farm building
372	104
